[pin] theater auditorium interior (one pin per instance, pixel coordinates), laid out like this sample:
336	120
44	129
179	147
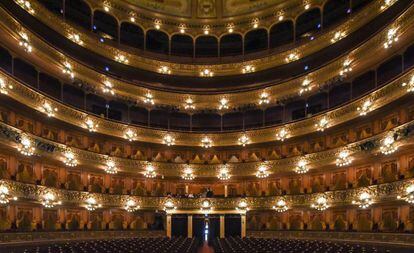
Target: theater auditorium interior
206	126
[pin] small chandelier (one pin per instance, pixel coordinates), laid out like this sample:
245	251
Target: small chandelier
91	204
206	205
387	3
244	140
223	104
188	174
131	206
48	109
121	59
157	24
408	196
365	108
230	28
169	205
264	98
321	203
206	29
206	73
224	174
255	23
49	200
111	167
322	124
280	206
301	167
108	88
70	159
206	142
391	37
164	70
388	144
182	28
343	159
150	171
75	38
90	125
189	104
364	200
262	172
282	134
26	6
5	196
346	67
338	36
248	69
67	70
4	87
24	42
242	206
168	140
149	99
292	57
410	85
26	146
306	86
130	135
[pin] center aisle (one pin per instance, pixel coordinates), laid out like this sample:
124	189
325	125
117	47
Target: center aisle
206	248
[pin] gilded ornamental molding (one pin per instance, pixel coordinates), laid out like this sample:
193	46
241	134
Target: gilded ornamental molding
90	42
373	101
361	58
315	161
33	193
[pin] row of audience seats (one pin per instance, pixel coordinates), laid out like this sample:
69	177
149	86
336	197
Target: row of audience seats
261	245
125	245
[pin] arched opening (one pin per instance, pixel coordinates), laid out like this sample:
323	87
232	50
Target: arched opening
255	40
253	118
206	46
281	34
25	72
159	118
73	96
53	6
362	84
50	85
231	44
132	35
389	70
308	23
274	115
335	11
339	94
206	122
105	24
182	45
5	60
138	115
409	57
233	121
78	12
157	41
179	121
117	110
316	103
96	105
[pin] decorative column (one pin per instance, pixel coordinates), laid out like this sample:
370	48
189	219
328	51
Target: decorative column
186	189
190	226
222	228
226	191
243	225
169	225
